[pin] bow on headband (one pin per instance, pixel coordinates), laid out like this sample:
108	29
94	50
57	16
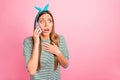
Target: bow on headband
41	10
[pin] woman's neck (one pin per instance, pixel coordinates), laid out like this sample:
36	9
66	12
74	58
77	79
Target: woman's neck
45	37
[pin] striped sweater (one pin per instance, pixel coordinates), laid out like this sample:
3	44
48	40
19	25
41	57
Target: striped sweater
47	60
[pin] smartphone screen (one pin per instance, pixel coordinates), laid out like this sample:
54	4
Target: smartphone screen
37	26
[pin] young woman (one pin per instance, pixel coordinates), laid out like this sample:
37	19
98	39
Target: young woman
45	51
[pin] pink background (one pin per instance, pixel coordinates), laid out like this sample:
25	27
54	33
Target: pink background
91	29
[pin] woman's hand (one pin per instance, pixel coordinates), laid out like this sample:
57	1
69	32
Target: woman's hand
36	35
51	48
55	50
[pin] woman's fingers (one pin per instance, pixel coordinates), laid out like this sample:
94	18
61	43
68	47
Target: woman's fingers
36	32
46	48
47	45
50	48
36	35
54	44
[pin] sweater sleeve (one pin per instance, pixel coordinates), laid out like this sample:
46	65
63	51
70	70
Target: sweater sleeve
27	49
63	47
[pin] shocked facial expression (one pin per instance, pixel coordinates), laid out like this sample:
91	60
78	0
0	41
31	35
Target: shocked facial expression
46	23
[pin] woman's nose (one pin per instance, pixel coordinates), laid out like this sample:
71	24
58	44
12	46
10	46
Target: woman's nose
46	24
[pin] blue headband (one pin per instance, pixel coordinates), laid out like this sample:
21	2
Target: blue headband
41	10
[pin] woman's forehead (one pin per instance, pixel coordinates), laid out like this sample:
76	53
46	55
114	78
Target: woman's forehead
45	16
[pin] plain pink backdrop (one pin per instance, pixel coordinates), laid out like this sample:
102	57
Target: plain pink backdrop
91	29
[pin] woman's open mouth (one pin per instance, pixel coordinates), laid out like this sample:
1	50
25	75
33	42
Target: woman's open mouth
46	30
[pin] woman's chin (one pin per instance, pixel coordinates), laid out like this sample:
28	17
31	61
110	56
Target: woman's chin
46	34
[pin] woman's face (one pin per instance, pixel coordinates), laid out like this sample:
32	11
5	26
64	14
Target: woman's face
46	23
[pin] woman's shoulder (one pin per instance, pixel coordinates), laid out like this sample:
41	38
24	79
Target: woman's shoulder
61	37
28	39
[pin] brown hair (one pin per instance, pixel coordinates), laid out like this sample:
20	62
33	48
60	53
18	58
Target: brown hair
54	38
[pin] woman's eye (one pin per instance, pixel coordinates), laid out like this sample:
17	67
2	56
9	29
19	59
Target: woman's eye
42	21
49	21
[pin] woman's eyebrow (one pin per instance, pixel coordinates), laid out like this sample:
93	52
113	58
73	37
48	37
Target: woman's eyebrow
49	19
41	18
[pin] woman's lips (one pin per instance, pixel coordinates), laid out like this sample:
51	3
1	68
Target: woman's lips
46	30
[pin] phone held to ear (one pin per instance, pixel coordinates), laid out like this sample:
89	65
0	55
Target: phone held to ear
37	26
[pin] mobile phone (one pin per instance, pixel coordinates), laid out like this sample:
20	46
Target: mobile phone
37	26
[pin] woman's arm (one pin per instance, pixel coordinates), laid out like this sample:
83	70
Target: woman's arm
33	61
62	60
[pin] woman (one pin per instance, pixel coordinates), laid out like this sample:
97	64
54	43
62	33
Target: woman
45	51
